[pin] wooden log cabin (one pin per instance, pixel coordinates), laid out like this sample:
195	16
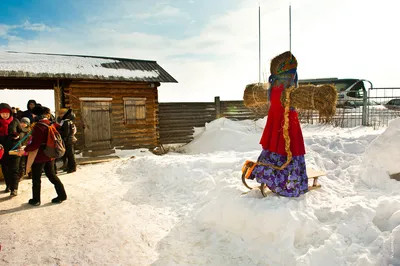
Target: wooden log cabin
115	100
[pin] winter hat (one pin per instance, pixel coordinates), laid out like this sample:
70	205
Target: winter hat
5	108
26	120
283	70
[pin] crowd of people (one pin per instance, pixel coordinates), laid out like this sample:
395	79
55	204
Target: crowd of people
23	136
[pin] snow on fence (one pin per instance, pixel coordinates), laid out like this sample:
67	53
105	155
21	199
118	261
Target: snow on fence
177	120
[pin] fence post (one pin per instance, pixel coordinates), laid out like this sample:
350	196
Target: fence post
365	114
364	110
217	107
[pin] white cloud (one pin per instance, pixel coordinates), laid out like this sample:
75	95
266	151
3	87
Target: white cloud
34	27
166	11
7	31
3	30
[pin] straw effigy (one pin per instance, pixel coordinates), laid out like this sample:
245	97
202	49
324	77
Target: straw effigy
255	98
322	98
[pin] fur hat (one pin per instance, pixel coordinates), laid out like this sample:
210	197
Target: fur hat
283	62
26	120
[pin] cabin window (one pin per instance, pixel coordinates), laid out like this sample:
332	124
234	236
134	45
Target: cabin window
134	110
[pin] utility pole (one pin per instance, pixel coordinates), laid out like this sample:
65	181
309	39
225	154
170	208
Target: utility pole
290	28
259	44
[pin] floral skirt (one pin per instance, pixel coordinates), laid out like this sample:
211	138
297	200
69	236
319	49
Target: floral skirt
292	181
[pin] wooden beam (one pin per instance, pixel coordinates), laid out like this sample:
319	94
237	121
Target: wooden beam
26	84
57	96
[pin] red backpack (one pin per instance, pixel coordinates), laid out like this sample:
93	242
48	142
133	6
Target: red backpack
55	147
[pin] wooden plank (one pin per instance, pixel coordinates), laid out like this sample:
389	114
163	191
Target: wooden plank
130	142
108	86
107	122
57	97
187	114
177	130
86	119
178	125
187	104
311	172
244	109
198	121
144	130
186	119
101	159
132	147
138	138
27	84
149	135
116	93
185	109
175	141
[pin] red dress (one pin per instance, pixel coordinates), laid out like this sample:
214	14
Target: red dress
272	138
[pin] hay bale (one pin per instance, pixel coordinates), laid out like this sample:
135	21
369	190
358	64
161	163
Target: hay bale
255	94
255	98
322	98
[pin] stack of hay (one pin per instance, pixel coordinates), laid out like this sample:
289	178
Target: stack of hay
256	98
322	98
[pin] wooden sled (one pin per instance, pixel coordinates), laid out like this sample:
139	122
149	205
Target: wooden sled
311	174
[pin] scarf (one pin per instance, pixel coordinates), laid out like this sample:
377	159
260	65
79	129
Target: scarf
4	125
288	78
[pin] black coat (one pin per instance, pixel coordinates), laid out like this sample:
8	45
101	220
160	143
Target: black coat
67	127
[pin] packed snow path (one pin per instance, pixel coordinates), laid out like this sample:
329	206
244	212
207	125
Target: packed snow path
188	209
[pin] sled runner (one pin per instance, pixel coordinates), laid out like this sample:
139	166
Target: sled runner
249	166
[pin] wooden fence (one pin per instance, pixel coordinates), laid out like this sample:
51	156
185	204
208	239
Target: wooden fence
177	120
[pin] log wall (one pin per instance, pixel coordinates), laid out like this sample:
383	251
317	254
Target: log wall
125	136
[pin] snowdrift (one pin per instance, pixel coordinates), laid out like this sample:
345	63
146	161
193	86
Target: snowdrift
384	151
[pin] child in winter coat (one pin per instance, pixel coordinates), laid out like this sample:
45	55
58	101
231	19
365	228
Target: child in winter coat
26	128
10	130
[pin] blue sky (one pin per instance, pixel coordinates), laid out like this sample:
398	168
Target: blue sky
181	19
211	47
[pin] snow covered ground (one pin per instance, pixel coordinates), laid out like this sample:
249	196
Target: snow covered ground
188	208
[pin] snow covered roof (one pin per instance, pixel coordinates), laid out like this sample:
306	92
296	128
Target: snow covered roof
34	65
